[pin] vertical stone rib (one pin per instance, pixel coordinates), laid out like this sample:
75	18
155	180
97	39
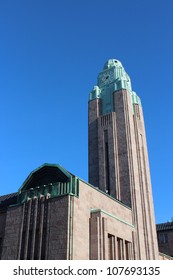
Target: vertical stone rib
133	180
27	229
34	227
47	229
143	196
104	239
41	226
133	246
145	187
141	187
120	107
148	202
94	237
21	231
149	195
100	238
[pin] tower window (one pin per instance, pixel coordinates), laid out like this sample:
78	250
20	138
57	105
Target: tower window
107	162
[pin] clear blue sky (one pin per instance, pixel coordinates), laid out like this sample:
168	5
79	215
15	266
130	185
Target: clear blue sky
51	52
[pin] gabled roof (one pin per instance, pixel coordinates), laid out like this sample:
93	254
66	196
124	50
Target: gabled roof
164	226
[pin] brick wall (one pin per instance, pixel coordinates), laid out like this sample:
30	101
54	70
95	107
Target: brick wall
93	204
58	223
12	232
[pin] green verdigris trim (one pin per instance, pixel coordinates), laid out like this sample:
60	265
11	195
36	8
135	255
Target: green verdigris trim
55	190
164	255
111	79
40	167
93	210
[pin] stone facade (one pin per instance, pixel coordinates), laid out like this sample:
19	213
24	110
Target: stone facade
118	157
37	229
56	215
90	225
2	228
11	233
99	216
129	176
86	225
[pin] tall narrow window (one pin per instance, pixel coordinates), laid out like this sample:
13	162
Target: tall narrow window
120	248
128	250
107	162
110	247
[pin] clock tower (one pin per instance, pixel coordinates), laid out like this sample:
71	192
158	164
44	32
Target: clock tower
118	157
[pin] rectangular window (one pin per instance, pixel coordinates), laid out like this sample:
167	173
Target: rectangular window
111	247
128	248
120	249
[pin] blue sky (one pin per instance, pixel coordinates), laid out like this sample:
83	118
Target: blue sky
50	55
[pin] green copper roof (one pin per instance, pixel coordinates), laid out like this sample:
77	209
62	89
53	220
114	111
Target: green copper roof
111	79
48	179
37	176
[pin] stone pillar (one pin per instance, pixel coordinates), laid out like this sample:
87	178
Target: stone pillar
95	253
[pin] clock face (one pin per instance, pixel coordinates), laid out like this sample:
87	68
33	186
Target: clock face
107	77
